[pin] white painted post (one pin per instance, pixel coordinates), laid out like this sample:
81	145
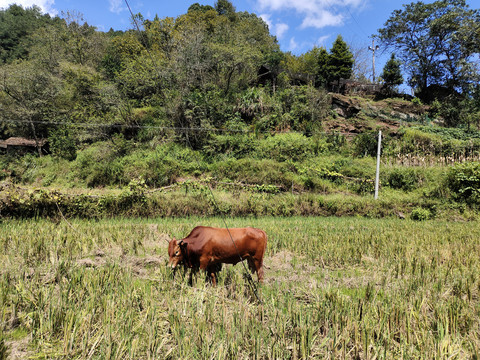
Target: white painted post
377	175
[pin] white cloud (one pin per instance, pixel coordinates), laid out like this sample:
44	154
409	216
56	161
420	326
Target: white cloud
116	6
315	13
293	45
321	20
45	5
321	40
280	30
268	21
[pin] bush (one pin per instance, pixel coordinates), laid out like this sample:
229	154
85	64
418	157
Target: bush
252	171
366	144
62	144
420	214
99	166
415	141
463	180
403	179
305	106
288	146
237	146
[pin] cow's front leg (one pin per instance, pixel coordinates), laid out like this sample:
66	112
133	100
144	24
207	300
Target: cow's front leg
209	270
212	274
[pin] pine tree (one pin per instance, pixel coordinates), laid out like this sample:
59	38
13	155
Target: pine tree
392	75
340	64
322	74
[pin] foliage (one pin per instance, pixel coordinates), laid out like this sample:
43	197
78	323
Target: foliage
366	144
304	108
207	95
237	146
436	42
463	180
62	144
450	133
283	147
404	179
392	75
420	214
340	61
16	27
319	67
3	347
456	111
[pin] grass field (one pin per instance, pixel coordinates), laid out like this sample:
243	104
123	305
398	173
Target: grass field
335	288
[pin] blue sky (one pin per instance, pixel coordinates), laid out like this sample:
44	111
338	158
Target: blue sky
298	24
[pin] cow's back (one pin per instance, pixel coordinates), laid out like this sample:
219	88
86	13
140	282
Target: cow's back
217	242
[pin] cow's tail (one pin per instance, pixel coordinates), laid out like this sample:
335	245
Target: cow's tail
266	238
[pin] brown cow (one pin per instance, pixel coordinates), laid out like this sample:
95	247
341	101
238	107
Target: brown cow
207	248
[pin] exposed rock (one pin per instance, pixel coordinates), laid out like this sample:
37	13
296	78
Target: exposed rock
345	106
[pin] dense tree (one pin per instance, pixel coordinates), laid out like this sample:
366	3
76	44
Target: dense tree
436	42
83	44
198	7
30	96
392	75
225	7
16	26
340	61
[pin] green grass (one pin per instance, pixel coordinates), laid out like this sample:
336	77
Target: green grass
335	288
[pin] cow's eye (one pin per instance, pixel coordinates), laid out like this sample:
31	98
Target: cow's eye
176	253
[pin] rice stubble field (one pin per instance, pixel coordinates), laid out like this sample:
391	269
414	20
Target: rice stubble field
348	287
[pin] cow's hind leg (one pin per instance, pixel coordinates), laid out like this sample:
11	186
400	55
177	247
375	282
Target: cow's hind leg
256	265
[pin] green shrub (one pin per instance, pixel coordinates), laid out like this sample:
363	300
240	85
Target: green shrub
3	347
417	101
287	146
237	146
62	144
361	168
253	171
463	180
450	133
415	141
304	107
98	165
420	214
403	179
366	144
336	141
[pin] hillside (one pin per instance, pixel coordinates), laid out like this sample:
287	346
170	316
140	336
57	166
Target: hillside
262	173
150	121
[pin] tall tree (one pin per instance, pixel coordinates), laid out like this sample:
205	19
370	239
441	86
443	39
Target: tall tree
16	26
392	74
29	96
340	62
436	42
225	7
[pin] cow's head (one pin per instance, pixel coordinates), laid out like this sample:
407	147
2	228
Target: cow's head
176	251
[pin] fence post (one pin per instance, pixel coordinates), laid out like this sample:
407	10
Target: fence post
377	175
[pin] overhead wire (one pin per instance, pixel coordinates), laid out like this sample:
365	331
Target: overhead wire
127	126
356	21
351	15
